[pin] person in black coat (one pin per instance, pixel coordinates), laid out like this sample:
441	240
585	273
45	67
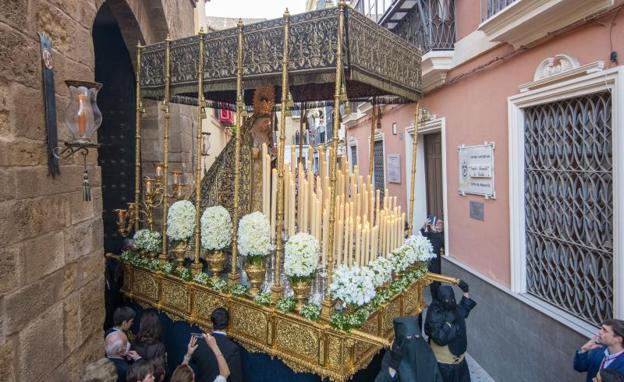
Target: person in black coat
446	327
433	230
204	360
409	359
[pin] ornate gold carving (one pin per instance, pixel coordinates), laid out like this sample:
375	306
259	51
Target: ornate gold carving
145	285
290	336
303	345
249	322
176	295
205	303
334	358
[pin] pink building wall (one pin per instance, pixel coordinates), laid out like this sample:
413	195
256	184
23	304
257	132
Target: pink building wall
475	109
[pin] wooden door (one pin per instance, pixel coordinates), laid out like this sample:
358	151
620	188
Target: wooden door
433	174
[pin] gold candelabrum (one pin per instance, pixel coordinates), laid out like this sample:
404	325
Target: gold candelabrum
153	196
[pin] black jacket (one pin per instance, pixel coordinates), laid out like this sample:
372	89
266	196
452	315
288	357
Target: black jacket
448	326
206	364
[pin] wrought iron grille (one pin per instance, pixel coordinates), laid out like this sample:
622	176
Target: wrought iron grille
379	166
354	155
569	205
430	25
491	7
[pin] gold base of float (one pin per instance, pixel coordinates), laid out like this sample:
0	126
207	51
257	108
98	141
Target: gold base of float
302	344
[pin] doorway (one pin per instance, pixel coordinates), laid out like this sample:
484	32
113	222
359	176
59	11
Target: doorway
116	135
433	174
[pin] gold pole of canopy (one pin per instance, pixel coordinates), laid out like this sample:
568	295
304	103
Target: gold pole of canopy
327	304
300	160
413	188
201	114
279	247
166	111
234	276
371	151
137	148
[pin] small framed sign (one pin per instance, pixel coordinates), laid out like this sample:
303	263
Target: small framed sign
394	168
476	170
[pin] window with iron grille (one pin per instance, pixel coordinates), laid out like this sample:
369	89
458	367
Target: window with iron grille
569	205
379	166
430	25
353	155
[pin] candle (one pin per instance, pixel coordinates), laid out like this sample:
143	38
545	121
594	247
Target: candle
82	114
292	208
159	170
300	200
310	166
176	177
349	243
358	244
148	185
273	201
265	193
365	244
375	239
293	156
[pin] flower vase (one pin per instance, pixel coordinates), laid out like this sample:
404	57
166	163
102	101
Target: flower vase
398	275
179	251
254	267
301	289
216	263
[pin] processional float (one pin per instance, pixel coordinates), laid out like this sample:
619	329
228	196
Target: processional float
317	57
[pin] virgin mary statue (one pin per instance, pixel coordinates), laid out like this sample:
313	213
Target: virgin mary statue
218	183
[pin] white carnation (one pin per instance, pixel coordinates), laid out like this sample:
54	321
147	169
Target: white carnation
353	285
421	246
382	268
181	220
147	240
216	228
301	255
254	235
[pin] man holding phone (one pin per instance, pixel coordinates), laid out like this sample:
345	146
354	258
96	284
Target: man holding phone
605	351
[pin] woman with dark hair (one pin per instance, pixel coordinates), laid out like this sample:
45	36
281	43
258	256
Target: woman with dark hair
140	371
148	343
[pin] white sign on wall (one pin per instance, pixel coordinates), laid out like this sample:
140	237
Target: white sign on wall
476	170
394	168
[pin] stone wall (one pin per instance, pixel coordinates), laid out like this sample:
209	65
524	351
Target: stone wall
51	249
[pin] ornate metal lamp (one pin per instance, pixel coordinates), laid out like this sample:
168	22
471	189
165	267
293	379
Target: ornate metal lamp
82	117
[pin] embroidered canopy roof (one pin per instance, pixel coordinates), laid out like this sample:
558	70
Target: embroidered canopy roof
376	61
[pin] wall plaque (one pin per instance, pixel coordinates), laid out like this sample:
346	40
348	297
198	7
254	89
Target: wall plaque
476	211
476	170
394	168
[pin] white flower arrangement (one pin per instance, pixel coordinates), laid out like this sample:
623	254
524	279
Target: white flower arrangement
421	246
301	255
382	268
216	228
181	220
402	258
254	235
353	285
147	240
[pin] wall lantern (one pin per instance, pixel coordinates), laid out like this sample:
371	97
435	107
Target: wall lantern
82	118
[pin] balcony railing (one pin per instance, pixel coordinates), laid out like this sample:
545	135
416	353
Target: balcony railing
429	25
491	7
